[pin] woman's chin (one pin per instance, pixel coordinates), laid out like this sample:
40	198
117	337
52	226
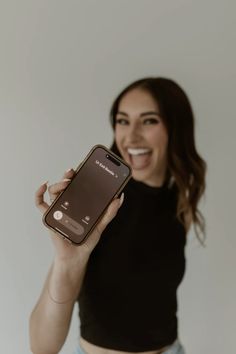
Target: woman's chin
148	176
141	174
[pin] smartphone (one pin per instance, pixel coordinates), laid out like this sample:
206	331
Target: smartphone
98	179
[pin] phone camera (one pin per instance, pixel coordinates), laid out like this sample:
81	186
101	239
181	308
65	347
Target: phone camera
112	159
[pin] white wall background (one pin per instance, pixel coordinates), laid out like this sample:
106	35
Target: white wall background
61	65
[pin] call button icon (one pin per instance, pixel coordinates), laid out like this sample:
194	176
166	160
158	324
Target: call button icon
58	215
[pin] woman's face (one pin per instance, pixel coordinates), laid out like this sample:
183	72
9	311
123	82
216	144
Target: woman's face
141	137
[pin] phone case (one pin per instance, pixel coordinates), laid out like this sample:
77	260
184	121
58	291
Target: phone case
98	179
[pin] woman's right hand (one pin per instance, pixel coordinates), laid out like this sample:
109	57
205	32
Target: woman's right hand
65	250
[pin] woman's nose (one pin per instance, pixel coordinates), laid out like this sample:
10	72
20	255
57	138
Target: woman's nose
134	130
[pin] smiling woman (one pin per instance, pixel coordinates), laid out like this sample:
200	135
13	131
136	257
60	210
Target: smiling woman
126	277
128	299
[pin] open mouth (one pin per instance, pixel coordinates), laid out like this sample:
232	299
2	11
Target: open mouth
139	158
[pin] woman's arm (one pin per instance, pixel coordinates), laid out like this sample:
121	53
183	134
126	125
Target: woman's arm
50	319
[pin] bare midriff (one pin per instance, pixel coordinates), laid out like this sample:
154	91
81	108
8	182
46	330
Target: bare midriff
90	348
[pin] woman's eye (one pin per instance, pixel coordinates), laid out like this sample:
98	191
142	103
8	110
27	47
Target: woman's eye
152	120
121	121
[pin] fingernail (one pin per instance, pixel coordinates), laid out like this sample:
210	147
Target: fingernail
69	170
121	199
66	180
45	183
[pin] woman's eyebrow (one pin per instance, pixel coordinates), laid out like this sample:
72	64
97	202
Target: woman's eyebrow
149	113
142	114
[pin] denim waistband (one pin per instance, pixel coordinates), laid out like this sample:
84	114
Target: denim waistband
175	348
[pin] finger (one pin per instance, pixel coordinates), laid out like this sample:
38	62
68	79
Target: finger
39	198
67	176
110	213
55	189
69	173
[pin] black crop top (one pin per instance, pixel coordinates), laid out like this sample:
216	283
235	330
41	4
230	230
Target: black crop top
128	298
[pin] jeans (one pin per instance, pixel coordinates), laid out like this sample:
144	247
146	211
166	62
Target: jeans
175	348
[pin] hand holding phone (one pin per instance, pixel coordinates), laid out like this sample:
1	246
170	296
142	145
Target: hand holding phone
105	200
97	181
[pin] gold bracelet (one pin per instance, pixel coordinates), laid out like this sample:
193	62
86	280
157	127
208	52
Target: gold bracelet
59	302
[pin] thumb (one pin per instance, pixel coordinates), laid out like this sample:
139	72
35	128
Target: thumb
110	213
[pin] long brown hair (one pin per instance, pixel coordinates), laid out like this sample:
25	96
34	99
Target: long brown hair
185	167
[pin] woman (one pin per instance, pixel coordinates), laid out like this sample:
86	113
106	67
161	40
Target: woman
126	280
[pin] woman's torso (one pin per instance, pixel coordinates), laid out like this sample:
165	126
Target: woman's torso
128	298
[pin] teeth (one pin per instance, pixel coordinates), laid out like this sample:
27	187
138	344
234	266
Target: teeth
137	151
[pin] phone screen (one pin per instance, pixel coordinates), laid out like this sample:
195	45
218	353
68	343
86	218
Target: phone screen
76	211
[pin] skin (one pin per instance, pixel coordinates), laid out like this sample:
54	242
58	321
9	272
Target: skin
134	129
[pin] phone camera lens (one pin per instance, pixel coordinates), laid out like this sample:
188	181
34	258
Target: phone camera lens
112	159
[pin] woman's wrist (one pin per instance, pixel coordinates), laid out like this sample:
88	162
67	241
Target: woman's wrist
66	279
69	264
61	301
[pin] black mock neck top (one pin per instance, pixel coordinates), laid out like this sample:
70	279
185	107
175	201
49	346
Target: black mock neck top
128	298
